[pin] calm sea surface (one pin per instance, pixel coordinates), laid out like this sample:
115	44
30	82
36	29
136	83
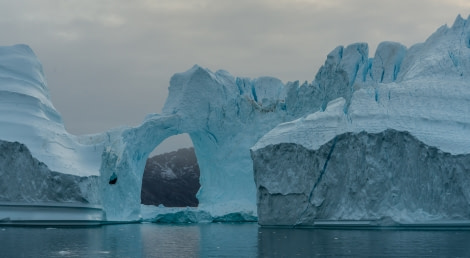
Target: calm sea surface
227	240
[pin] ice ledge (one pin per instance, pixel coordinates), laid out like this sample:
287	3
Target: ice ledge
67	214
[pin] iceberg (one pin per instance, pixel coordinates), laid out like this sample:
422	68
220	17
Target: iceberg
47	174
223	115
418	94
396	151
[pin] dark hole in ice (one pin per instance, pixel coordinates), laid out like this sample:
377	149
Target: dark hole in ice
171	178
113	179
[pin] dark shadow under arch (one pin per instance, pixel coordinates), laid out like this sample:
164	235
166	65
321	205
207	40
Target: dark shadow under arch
171	178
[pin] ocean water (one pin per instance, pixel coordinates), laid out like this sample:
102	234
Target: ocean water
228	240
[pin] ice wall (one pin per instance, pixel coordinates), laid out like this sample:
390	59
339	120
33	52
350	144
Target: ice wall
399	128
387	177
24	179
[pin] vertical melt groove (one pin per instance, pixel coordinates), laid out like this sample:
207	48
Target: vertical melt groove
320	177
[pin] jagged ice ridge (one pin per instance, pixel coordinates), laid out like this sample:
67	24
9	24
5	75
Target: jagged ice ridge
418	111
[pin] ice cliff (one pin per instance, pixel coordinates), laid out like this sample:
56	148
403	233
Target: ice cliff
398	148
40	163
421	92
388	177
38	184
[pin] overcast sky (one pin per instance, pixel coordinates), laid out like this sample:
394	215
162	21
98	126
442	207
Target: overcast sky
109	62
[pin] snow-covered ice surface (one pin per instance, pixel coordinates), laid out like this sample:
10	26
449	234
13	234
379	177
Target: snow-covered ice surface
422	90
428	96
423	96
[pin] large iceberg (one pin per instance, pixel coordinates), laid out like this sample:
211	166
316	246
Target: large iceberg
397	151
42	167
223	115
421	91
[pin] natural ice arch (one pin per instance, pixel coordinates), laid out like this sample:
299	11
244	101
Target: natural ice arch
125	156
223	115
227	185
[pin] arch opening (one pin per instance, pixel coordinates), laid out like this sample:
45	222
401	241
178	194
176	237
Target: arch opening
171	174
